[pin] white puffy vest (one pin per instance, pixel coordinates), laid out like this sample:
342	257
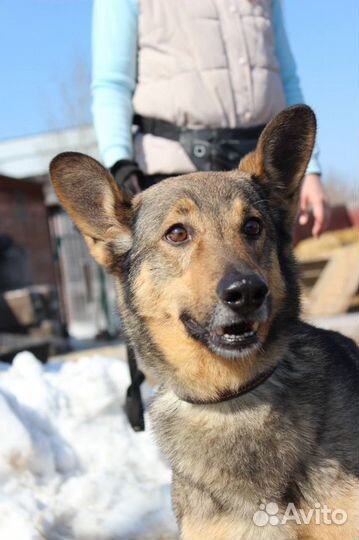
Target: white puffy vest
203	63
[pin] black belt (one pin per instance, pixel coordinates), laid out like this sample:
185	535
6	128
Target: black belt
217	149
162	128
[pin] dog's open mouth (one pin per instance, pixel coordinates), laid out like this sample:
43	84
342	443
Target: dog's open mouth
235	333
229	341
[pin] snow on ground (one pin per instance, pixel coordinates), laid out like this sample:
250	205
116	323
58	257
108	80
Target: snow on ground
71	468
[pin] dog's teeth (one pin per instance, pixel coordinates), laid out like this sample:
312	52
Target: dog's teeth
249	331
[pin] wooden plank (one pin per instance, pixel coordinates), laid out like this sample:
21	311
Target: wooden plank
318	249
347	324
333	292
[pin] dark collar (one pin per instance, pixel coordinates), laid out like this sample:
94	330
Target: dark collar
245	389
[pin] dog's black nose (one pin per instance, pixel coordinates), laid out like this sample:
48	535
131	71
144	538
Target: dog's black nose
242	292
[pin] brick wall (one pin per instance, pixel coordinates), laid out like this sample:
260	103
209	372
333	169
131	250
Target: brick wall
23	216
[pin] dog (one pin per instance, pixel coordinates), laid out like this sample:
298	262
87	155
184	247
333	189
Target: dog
257	411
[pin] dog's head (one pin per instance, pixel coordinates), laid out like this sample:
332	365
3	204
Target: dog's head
203	261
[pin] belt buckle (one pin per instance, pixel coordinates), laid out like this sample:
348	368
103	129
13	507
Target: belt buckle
200	150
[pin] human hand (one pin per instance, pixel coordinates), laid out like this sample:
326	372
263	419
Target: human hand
132	185
128	176
313	197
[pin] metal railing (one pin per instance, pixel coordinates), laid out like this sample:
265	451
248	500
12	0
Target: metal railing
88	294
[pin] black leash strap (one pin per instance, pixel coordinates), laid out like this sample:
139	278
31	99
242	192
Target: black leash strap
134	404
122	171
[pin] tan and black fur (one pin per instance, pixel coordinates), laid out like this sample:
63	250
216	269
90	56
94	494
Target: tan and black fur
294	438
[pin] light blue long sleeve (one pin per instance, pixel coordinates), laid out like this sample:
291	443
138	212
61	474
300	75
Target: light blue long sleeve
115	34
114	43
288	71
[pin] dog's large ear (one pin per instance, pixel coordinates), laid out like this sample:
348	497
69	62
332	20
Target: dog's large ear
97	206
281	157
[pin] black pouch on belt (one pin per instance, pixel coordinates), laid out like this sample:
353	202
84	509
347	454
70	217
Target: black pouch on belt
212	150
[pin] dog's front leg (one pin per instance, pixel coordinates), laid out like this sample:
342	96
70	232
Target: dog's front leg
201	517
217	528
229	528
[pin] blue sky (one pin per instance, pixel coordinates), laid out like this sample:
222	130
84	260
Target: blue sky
42	42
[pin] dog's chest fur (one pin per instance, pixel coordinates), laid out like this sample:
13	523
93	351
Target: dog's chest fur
277	444
229	451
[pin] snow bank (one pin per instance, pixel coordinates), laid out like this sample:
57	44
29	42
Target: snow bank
71	468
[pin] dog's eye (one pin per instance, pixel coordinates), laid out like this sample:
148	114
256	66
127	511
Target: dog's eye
177	234
252	227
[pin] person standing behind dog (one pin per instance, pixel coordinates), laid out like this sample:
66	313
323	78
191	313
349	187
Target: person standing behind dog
202	77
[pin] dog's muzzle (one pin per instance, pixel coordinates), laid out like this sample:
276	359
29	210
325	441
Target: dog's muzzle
233	329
